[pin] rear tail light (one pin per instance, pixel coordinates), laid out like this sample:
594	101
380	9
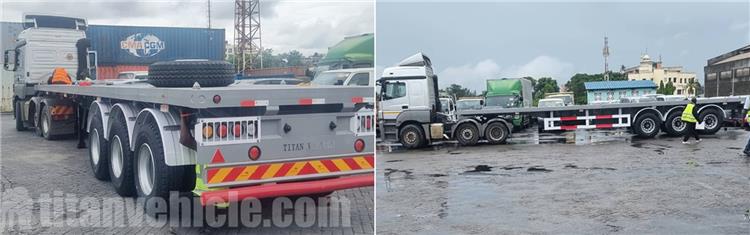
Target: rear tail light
218	131
223	130
253	153
359	145
208	131
364	123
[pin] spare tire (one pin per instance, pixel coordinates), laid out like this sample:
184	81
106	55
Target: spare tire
187	73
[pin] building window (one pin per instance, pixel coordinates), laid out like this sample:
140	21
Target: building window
679	92
610	95
711	76
597	96
622	94
742	72
725	75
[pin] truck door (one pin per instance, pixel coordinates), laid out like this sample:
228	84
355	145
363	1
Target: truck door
394	99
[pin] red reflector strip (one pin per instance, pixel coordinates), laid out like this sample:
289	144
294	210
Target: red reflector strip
357	100
571	118
247	103
568	128
218	157
309	101
253	103
604	125
603	116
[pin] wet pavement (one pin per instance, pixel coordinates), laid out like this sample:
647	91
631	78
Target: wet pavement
630	186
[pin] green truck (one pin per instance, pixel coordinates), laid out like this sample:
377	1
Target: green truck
510	93
352	52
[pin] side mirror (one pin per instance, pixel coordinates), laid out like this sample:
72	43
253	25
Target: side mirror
10	61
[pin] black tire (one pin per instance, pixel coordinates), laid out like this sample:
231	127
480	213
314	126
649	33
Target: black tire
98	145
467	134
496	133
161	178
188	182
17	112
45	123
187	73
38	122
674	126
120	157
713	119
647	125
411	136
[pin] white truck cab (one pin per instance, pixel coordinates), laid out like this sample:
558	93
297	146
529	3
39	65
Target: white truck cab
409	103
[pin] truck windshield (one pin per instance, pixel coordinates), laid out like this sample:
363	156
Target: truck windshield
332	78
505	101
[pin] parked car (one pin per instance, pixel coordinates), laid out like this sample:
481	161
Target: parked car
138	75
273	81
347	77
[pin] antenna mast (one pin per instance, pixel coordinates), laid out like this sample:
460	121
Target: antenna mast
605	53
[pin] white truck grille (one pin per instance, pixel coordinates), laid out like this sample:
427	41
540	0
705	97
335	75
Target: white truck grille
216	131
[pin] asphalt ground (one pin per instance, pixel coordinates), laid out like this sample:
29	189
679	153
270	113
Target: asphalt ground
33	169
628	186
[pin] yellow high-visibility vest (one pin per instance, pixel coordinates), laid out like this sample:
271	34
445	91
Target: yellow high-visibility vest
687	114
747	116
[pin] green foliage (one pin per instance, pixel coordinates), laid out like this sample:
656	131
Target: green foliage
543	86
576	82
457	91
666	89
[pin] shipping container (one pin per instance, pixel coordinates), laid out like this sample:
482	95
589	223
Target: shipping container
122	45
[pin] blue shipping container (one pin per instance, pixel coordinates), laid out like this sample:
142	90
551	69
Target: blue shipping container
136	45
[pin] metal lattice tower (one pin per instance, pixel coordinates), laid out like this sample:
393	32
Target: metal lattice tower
247	42
605	53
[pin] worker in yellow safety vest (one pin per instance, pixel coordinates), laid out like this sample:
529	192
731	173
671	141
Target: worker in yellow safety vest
747	146
689	117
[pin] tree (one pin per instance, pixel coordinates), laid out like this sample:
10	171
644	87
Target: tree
543	86
457	91
669	88
693	87
660	89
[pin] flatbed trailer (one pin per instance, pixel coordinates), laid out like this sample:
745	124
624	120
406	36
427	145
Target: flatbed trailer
294	130
410	113
190	127
646	119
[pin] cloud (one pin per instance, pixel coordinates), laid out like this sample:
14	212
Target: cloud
307	26
473	76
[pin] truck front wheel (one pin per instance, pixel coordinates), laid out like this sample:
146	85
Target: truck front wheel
467	134
411	136
154	178
18	112
496	133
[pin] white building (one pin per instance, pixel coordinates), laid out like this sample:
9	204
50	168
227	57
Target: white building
654	71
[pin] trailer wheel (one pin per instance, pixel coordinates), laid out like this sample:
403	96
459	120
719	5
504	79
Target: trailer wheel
120	157
17	111
467	134
647	125
98	149
674	125
187	73
154	178
713	119
411	136
496	133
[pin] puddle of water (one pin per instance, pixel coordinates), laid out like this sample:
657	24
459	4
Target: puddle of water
511	167
734	148
716	162
394	161
437	175
538	169
480	168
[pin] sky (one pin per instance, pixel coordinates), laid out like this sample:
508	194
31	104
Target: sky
305	25
469	42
